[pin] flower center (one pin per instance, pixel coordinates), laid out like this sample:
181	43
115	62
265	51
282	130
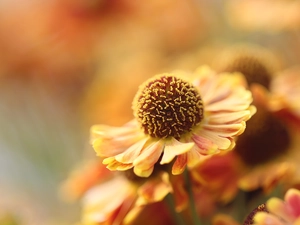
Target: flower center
167	106
266	137
254	70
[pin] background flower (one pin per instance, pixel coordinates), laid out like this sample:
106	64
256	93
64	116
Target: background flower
281	212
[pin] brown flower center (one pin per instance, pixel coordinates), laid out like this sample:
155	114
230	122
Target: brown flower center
261	208
265	137
168	106
254	70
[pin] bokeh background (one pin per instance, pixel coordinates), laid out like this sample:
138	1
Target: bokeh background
68	64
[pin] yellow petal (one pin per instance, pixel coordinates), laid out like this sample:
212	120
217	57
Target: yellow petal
149	155
264	218
223	143
174	148
129	155
278	207
143	172
226	130
230	117
204	145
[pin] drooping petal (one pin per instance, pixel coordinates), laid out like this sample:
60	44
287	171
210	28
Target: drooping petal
194	157
109	141
237	101
143	172
102	201
180	164
149	155
229	117
129	155
113	164
223	143
174	148
225	130
205	145
154	190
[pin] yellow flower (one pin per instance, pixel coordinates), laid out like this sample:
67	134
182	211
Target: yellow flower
177	119
281	212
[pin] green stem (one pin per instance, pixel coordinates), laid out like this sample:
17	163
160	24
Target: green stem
176	216
195	218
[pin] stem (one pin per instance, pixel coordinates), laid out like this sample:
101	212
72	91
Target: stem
195	218
239	206
176	216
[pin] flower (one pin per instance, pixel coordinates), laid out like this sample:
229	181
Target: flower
219	176
268	138
261	208
256	63
281	212
223	219
258	160
286	93
110	197
177	118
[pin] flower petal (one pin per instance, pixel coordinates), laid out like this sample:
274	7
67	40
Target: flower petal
174	148
229	117
205	145
129	155
292	198
180	164
110	141
113	164
154	190
223	143
226	130
279	208
98	207
239	100
143	172
194	157
149	155
264	218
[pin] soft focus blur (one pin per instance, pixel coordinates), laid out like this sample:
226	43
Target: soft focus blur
68	64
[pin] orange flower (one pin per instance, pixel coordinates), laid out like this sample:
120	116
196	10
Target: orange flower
219	175
120	200
177	119
111	197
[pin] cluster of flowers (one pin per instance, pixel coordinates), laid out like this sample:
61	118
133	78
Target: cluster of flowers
201	148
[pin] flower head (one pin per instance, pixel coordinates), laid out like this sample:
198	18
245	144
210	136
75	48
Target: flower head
281	212
168	106
256	63
114	197
178	119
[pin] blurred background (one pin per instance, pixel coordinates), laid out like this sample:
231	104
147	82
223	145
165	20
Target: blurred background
68	64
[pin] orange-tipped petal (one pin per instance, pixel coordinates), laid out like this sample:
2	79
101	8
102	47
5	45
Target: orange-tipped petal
174	148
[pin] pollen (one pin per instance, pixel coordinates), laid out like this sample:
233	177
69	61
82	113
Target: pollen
167	106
